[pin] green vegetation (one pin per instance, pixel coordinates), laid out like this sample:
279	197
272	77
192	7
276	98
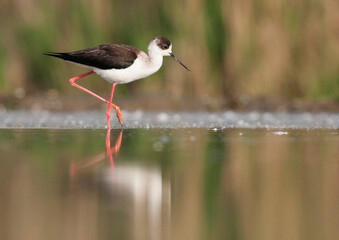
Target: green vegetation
233	48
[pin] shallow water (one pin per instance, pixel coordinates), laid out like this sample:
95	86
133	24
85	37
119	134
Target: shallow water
173	183
141	119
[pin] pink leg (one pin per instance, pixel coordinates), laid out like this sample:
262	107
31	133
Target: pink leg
108	112
116	108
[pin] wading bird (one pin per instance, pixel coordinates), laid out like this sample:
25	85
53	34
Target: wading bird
118	64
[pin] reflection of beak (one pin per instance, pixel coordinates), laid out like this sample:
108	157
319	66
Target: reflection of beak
174	57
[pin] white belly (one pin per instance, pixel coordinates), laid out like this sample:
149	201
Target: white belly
139	69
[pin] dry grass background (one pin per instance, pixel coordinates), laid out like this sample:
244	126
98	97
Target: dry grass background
278	49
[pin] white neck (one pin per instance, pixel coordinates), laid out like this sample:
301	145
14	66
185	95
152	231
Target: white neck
154	60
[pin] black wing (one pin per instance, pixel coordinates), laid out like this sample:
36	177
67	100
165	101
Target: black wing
117	56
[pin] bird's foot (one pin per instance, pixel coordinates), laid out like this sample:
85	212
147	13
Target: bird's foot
118	113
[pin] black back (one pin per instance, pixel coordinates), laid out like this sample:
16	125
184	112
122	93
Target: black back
108	56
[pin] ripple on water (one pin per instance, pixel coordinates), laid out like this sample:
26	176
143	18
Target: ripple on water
140	119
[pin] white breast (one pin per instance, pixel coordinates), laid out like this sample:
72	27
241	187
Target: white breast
142	67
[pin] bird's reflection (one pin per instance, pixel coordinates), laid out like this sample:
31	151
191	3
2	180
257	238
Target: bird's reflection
139	192
115	149
111	152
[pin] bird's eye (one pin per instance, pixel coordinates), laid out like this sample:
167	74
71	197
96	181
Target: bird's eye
166	46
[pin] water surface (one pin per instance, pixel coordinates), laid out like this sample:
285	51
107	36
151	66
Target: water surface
141	119
187	183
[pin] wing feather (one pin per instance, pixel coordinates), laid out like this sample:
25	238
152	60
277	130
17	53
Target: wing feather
108	56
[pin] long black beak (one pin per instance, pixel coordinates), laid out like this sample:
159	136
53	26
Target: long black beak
175	58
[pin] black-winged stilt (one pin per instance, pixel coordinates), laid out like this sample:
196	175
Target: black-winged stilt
118	64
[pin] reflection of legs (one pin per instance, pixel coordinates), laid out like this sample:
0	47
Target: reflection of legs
115	148
110	151
108	147
116	108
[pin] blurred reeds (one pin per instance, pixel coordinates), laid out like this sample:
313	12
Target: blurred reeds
274	49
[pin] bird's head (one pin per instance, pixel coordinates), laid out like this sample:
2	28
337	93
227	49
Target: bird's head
163	46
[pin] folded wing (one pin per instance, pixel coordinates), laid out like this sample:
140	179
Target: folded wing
108	56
